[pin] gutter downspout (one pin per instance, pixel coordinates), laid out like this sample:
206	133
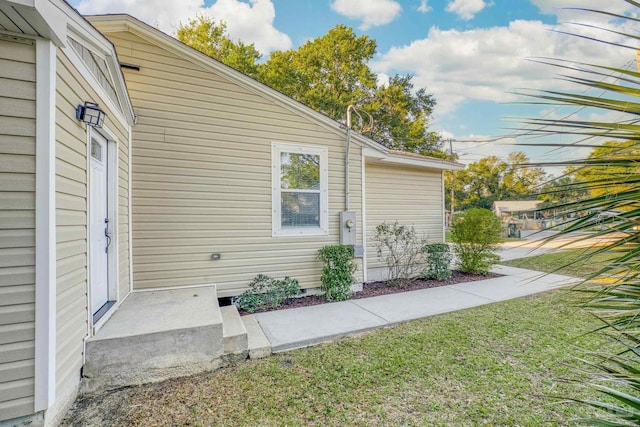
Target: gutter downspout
346	160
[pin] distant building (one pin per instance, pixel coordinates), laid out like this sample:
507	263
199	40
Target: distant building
518	209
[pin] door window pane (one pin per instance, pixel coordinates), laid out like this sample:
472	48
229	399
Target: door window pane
96	150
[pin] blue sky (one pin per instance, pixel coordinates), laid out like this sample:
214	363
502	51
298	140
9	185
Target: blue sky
471	54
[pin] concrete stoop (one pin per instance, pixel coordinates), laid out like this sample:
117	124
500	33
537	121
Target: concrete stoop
154	336
157	335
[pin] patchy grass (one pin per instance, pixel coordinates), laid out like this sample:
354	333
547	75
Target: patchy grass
491	365
564	262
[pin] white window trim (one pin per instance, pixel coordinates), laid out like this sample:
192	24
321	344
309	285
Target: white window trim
277	230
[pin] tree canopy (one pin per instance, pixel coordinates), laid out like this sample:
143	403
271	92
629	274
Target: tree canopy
490	179
607	163
567	189
211	38
328	74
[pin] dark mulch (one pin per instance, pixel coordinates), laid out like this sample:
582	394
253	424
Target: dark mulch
373	289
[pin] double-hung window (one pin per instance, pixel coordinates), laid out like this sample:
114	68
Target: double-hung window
300	205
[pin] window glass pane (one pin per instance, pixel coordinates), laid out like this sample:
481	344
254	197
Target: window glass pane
300	171
96	150
300	210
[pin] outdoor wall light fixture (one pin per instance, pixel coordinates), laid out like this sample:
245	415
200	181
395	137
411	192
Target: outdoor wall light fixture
90	114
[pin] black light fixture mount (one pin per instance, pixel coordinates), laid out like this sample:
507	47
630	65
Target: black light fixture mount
91	114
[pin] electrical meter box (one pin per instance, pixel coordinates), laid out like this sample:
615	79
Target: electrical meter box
348	228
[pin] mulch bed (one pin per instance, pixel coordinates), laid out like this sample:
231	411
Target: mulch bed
374	289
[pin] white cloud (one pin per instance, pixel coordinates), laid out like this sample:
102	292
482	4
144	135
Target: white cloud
382	79
552	7
485	64
568	10
250	22
424	6
372	13
466	9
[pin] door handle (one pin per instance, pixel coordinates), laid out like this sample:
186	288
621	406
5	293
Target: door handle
107	234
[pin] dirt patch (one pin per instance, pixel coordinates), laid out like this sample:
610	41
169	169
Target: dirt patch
374	289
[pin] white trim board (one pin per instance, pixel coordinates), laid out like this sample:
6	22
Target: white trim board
130	213
364	218
45	328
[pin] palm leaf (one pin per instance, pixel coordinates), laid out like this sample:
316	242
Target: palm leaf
614	291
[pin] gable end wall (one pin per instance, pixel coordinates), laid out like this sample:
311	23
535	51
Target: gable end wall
202	177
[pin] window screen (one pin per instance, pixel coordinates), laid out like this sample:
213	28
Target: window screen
300	190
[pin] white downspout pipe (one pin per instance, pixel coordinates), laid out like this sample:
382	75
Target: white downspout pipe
346	160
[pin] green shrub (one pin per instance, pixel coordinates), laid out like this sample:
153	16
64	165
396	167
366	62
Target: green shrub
400	248
266	292
476	234
438	261
337	273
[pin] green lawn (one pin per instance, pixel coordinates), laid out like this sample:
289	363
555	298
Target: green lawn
563	262
492	365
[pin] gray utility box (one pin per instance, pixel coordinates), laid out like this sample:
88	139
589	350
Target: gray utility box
348	227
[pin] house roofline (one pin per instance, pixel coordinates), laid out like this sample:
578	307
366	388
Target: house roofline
109	23
55	20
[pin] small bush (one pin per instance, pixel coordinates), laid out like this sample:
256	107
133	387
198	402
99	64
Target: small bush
266	292
476	234
438	261
337	273
400	248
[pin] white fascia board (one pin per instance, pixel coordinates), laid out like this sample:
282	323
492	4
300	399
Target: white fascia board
398	159
372	153
45	329
427	163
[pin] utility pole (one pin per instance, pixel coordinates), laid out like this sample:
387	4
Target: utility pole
453	175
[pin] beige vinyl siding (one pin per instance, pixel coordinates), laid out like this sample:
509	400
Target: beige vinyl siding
71	217
202	176
17	227
412	196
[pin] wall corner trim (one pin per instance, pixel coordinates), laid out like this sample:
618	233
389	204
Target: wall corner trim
45	325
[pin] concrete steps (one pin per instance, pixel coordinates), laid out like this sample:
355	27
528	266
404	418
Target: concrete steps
243	335
154	336
259	345
234	334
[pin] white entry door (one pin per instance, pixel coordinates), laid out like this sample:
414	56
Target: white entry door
98	223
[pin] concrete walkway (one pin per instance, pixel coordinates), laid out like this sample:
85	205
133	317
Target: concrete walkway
536	243
301	327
